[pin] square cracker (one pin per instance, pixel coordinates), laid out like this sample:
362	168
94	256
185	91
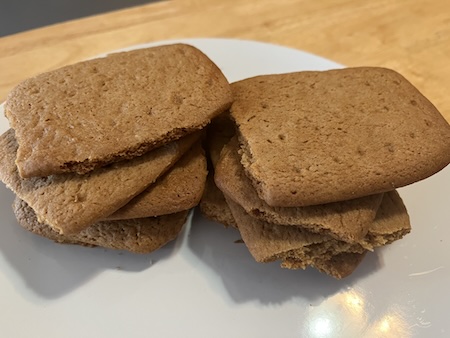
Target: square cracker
214	206
318	137
295	248
126	104
141	235
70	202
268	242
181	188
346	220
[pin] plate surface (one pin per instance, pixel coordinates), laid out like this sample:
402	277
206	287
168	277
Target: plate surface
205	285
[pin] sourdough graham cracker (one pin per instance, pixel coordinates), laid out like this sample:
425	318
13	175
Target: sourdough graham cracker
296	248
391	223
304	134
70	202
142	235
268	242
179	189
347	220
126	104
338	266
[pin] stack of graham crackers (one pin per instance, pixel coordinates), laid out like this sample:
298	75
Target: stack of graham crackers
109	152
309	177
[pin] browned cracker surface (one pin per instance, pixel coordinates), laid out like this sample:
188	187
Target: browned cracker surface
347	220
141	235
92	113
179	189
297	248
70	202
324	136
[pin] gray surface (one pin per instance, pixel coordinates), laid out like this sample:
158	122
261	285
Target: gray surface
20	15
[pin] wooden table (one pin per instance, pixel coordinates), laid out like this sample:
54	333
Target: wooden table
410	36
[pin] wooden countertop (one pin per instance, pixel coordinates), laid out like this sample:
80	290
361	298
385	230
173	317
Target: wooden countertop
410	36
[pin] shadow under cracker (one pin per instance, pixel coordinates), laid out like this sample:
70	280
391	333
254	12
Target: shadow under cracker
247	280
51	270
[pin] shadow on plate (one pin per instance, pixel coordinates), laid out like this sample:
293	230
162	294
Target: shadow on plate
52	270
246	280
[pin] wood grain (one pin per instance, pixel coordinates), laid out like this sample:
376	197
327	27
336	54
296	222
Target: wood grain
410	36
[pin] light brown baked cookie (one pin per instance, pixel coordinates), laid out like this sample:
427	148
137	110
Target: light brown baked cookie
70	202
269	242
298	248
318	137
141	235
125	104
179	189
391	223
347	220
214	207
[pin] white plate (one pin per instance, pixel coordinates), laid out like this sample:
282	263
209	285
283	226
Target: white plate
205	285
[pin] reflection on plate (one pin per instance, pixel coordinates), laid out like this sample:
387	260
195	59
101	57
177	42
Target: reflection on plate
206	285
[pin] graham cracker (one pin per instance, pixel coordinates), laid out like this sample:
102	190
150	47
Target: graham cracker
298	248
70	202
347	220
269	242
142	235
214	207
179	189
304	134
125	104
